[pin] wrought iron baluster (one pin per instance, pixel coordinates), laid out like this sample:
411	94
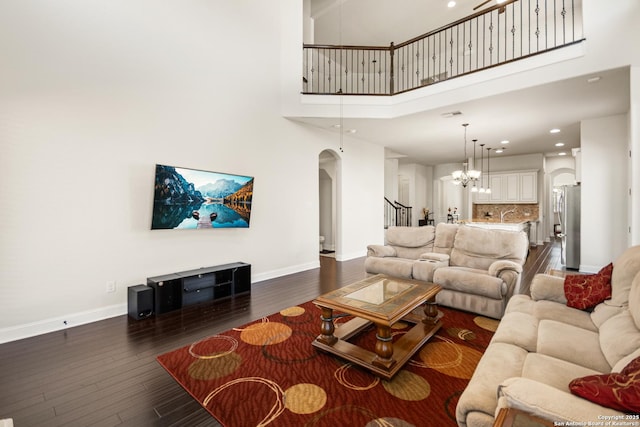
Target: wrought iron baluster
441	54
513	31
564	23
451	47
537	11
491	40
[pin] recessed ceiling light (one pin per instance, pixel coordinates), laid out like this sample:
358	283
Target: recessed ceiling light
594	79
562	153
554	130
504	142
499	150
337	126
451	4
559	144
351	131
451	114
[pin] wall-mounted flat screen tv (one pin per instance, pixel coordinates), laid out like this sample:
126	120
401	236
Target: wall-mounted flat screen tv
193	199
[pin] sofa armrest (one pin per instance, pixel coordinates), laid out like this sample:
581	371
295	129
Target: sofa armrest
547	287
381	251
433	256
497	267
550	403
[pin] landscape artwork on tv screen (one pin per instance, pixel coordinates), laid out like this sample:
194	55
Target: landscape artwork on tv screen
191	199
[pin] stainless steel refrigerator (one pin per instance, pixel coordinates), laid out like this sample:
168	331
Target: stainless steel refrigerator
570	226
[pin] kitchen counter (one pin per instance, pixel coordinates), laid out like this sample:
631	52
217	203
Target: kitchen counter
496	225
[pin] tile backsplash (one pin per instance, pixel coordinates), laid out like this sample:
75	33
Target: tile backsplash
521	212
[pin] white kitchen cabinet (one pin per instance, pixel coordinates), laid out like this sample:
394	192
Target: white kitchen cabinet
496	188
511	187
482	197
529	187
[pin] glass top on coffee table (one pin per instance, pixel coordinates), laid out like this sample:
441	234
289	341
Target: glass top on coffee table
379	297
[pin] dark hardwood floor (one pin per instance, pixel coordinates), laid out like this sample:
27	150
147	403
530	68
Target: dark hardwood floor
105	373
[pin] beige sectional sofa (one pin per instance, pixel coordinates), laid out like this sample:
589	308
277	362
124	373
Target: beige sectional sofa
541	345
479	269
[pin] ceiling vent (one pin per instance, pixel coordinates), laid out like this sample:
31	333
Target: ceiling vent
451	114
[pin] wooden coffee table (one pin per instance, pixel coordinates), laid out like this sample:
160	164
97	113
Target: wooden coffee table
383	301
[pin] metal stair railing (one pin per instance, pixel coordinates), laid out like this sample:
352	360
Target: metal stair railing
397	214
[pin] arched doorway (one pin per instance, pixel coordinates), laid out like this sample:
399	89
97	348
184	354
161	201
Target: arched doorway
328	197
557	178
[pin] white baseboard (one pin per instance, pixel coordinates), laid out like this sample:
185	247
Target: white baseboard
284	271
590	269
27	330
353	255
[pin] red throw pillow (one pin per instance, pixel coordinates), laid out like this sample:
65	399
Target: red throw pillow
585	291
619	391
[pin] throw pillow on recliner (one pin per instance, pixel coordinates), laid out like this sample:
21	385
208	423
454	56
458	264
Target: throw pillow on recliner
585	291
619	391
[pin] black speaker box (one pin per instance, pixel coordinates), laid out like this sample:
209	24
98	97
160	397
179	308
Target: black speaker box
167	293
242	279
140	301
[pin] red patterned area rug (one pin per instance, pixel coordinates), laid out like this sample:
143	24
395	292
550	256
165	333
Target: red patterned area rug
268	373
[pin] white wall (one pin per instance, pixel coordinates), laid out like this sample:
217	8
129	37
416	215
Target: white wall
94	93
605	196
391	179
634	158
420	188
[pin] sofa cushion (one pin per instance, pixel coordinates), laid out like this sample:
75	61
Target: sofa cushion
410	237
619	337
619	391
478	248
634	300
554	372
498	363
381	251
445	235
585	291
519	329
396	267
548	288
626	266
603	312
557	339
410	253
618	367
549	310
520	304
550	403
423	269
470	281
488	307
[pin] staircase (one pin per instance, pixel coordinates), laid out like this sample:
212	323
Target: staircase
396	214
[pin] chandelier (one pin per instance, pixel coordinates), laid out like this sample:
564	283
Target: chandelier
466	175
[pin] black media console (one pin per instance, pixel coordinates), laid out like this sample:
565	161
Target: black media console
175	290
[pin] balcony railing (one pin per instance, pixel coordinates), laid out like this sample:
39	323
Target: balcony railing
514	30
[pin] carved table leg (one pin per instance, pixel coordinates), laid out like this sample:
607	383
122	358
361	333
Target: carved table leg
431	311
384	348
327	329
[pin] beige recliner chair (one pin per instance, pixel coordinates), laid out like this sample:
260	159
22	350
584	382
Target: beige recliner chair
484	269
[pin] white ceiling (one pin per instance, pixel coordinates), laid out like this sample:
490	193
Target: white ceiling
523	117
